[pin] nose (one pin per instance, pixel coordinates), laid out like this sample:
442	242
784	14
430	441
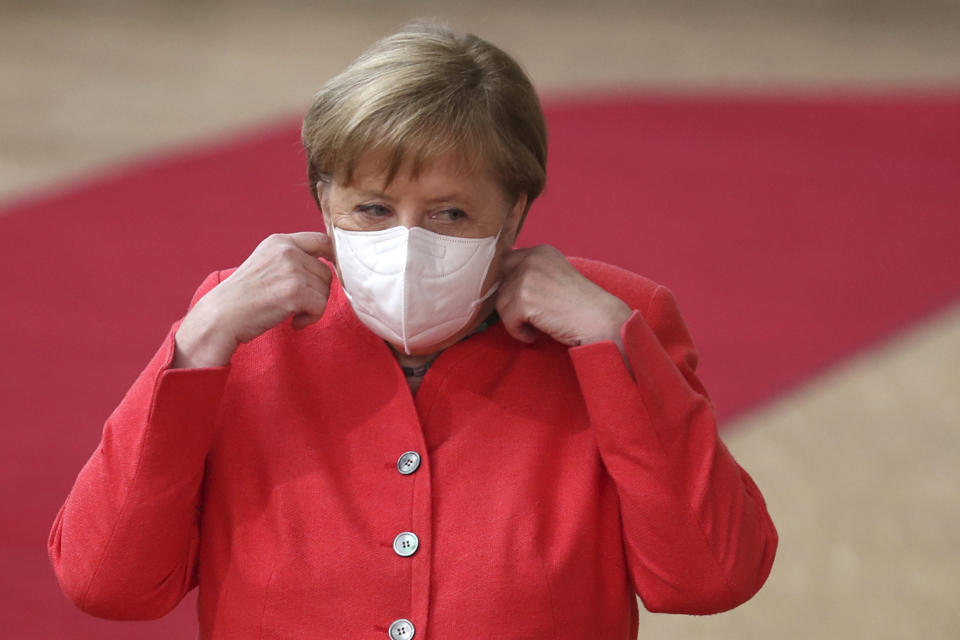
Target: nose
408	218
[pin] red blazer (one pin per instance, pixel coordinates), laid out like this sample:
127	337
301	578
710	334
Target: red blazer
552	485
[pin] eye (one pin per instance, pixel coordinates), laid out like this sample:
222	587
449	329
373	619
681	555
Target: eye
451	215
374	210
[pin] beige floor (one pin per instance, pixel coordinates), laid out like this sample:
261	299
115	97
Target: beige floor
860	469
860	466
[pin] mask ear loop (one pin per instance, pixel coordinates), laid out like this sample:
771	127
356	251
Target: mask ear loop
479	301
496	285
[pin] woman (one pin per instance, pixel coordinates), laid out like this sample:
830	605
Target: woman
406	427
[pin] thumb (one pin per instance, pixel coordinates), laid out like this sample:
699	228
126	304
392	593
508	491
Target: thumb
516	326
303	320
524	332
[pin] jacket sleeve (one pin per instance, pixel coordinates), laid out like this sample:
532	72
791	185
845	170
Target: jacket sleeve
697	535
124	544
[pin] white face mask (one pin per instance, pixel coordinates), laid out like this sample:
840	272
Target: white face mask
414	287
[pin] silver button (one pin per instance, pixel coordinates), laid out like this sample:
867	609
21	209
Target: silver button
401	629
406	544
408	463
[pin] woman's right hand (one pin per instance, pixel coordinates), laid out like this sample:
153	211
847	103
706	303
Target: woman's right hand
280	279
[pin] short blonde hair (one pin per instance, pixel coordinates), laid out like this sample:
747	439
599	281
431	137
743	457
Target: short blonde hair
420	93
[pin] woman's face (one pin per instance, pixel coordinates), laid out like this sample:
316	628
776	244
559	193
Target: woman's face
446	197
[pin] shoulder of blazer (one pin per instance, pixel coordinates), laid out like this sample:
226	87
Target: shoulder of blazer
634	289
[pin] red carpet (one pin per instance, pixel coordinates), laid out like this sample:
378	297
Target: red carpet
794	231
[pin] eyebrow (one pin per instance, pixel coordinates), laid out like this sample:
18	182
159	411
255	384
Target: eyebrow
451	197
374	193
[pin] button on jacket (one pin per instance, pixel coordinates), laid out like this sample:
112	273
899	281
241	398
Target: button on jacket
546	487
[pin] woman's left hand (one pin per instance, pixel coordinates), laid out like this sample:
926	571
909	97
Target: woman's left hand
541	291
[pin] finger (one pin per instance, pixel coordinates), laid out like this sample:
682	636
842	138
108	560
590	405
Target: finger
511	259
312	298
513	316
318	245
316	268
304	297
311	307
303	320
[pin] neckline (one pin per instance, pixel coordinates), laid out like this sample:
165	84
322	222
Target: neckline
418	372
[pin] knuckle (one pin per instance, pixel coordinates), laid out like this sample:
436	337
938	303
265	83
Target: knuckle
287	250
313	296
290	306
526	294
273	239
546	252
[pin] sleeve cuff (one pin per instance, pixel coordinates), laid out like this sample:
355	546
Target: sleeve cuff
181	408
642	386
601	365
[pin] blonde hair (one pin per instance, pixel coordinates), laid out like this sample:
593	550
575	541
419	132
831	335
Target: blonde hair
423	92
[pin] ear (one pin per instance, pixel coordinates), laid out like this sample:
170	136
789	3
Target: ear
511	227
323	198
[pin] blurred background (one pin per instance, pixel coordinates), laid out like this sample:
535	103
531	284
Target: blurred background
859	460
